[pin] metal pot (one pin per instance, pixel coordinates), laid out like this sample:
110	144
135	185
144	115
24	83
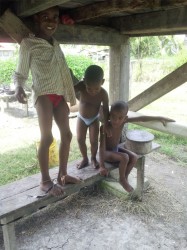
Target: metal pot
139	141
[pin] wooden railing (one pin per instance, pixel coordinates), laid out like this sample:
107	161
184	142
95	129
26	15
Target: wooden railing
173	128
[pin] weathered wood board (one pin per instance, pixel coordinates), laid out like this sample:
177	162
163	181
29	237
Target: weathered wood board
17	199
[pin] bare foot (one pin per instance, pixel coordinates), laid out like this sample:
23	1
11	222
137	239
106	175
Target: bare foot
126	185
103	171
50	188
68	179
94	163
84	163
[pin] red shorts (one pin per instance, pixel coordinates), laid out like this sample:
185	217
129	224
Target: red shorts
55	99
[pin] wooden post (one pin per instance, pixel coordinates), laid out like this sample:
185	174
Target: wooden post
119	72
119	76
9	235
140	177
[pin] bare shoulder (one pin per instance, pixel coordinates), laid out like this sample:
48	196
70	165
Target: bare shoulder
104	93
80	86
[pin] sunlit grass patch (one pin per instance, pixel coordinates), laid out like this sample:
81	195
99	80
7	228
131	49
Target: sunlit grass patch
18	163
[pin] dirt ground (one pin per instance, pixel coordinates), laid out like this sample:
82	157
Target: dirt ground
93	219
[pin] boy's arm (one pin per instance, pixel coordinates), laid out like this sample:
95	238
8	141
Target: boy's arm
74	78
102	147
105	107
21	74
78	87
143	118
105	111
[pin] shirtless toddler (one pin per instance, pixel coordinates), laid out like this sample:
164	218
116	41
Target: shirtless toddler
91	97
109	150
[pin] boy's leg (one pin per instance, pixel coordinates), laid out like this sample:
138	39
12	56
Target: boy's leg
132	160
44	110
123	159
94	134
81	139
61	116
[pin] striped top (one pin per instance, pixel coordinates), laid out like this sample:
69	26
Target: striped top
49	70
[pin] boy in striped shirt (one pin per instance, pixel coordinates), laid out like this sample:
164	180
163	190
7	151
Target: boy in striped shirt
52	89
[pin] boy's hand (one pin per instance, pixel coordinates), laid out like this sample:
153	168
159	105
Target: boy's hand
164	120
107	130
20	95
103	171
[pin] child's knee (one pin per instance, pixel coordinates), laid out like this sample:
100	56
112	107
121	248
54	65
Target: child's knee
47	140
125	158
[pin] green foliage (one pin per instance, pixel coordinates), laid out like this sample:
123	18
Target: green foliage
142	47
23	162
180	58
6	71
169	45
154	46
78	64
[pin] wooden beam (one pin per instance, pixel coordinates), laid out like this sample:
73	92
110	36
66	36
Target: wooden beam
154	23
162	87
82	34
13	26
30	7
70	34
173	128
113	7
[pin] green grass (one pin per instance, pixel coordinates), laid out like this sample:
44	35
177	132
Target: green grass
18	163
171	145
22	162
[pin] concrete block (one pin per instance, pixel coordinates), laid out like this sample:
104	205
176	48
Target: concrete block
114	188
114	174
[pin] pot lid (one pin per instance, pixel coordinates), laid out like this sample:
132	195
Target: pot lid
139	136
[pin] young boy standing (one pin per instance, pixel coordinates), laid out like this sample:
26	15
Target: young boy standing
91	97
109	150
52	88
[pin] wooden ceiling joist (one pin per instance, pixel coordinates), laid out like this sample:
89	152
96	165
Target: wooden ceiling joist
30	7
82	34
72	34
170	21
98	9
112	7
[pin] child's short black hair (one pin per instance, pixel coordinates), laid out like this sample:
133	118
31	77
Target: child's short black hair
94	73
119	106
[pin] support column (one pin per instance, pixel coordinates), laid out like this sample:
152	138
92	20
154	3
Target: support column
9	235
140	165
119	72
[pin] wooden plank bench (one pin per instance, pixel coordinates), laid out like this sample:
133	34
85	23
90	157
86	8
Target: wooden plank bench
19	199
